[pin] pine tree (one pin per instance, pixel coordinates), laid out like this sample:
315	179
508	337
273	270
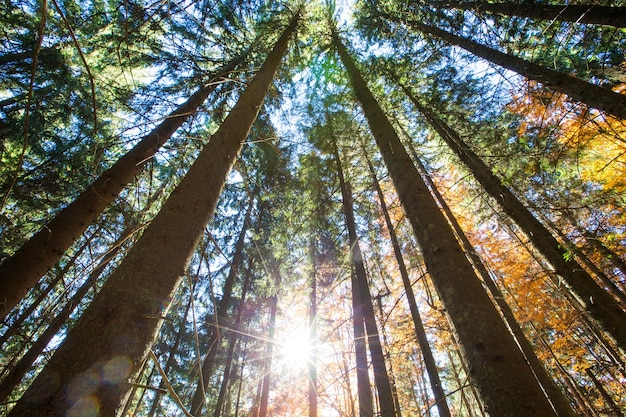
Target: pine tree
130	305
485	340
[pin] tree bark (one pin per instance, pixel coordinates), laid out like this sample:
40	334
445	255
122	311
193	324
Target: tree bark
23	365
600	305
504	379
34	258
360	287
579	13
560	403
420	333
364	389
121	323
579	90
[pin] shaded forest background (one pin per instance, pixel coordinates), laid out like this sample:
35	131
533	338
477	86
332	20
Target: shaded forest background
262	208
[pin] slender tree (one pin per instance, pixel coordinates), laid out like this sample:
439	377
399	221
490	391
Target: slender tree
22	270
420	333
363	295
313	331
122	321
221	317
232	342
593	95
580	13
488	347
600	305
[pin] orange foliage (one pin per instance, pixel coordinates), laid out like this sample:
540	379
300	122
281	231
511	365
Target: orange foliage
594	141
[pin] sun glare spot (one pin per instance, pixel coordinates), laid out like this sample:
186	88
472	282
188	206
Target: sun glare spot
296	349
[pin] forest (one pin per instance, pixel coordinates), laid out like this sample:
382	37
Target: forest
324	208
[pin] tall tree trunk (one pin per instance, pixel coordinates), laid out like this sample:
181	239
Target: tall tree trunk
504	379
23	365
121	323
381	377
560	403
312	331
600	305
593	95
30	262
232	341
269	353
579	13
220	318
364	389
420	333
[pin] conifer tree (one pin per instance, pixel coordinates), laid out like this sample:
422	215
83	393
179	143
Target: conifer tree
488	347
123	319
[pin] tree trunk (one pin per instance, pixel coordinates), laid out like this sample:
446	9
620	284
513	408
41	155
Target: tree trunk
504	379
381	377
220	318
579	90
312	332
560	403
232	341
23	365
121	323
579	13
171	357
364	389
420	333
22	270
267	361
600	305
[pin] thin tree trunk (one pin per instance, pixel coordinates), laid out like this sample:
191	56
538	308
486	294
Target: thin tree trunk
232	341
579	13
593	95
420	333
591	297
364	389
605	395
269	353
30	262
121	323
381	377
312	331
171	358
504	379
220	318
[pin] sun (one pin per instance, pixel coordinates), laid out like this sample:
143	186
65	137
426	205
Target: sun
297	348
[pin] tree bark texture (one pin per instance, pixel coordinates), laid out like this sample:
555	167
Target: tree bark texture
579	13
505	381
600	305
123	320
29	263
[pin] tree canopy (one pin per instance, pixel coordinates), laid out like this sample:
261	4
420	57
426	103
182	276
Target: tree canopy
327	208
